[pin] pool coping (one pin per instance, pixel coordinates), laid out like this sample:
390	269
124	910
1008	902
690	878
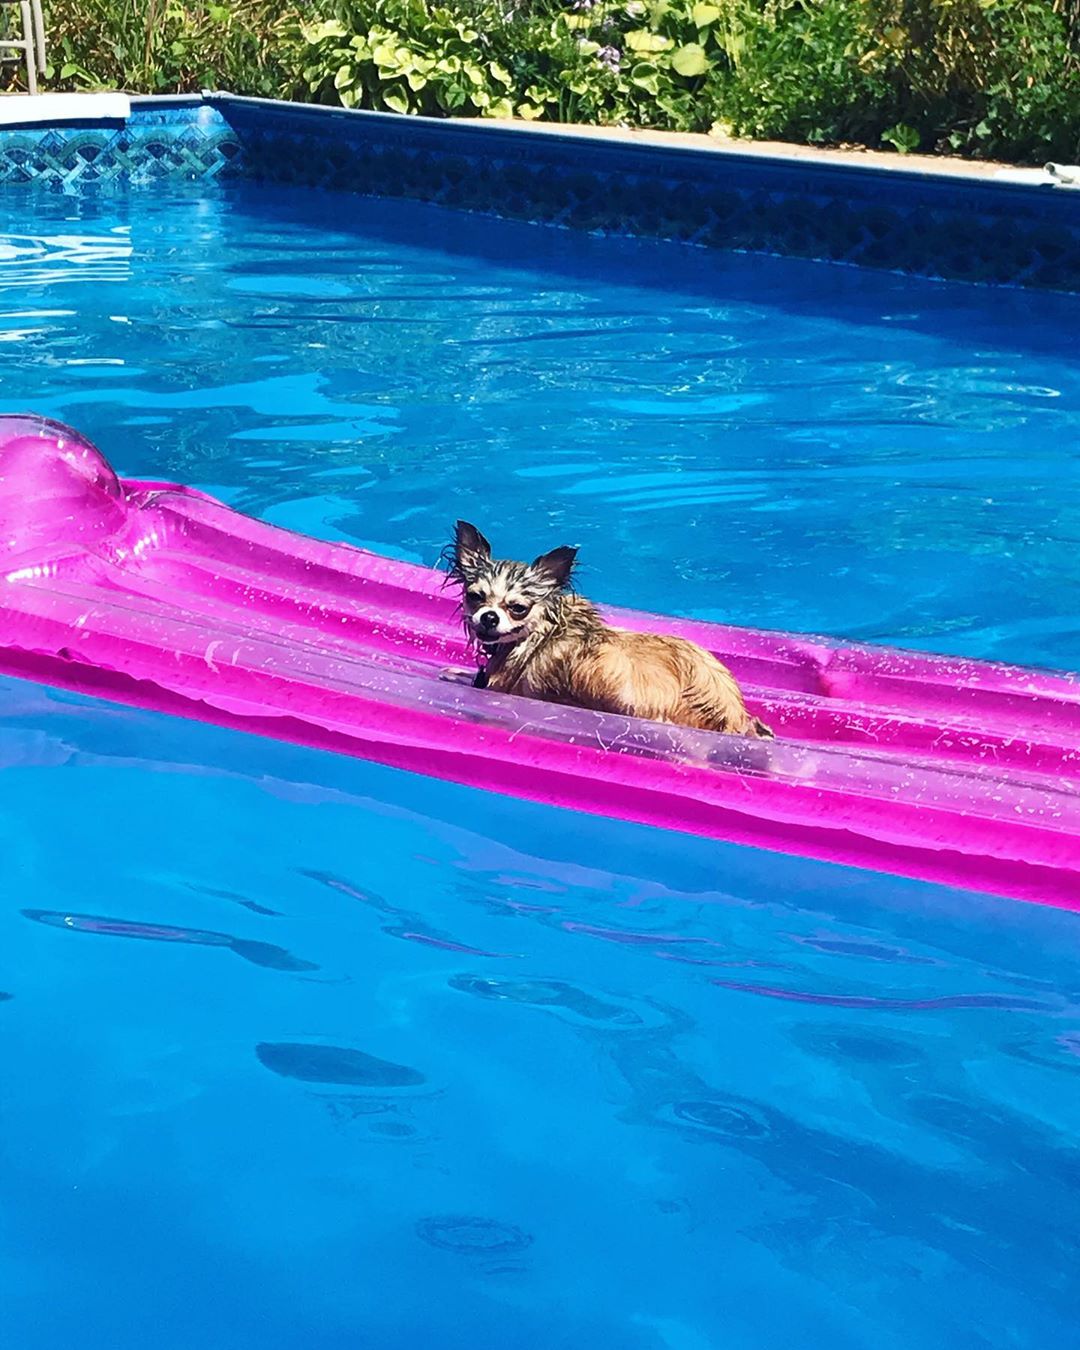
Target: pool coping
857	159
861	157
676	145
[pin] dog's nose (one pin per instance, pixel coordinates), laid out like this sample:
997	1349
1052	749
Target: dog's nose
488	619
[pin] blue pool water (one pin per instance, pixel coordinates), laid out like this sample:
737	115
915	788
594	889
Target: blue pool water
301	1052
440	1069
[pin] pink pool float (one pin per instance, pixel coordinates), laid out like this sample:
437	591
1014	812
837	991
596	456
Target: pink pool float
155	595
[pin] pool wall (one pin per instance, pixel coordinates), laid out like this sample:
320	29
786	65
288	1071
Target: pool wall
946	225
163	139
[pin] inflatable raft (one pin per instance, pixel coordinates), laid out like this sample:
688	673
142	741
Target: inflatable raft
156	595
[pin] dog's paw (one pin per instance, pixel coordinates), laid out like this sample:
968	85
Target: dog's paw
455	675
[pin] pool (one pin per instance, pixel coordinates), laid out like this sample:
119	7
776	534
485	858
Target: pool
308	1052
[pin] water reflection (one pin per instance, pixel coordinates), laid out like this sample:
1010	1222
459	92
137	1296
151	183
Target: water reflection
312	1063
258	953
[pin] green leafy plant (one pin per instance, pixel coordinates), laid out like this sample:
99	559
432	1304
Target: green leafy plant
168	46
902	138
405	57
977	77
1002	76
597	62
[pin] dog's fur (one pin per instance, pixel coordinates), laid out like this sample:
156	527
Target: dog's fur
543	641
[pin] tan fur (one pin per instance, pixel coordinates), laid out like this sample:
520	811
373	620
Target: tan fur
575	658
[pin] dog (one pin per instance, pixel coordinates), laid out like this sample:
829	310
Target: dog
541	640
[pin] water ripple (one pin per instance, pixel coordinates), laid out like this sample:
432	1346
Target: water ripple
258	953
469	1235
311	1063
1007	1002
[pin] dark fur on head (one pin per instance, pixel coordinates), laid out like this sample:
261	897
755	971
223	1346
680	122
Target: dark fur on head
513	596
469	556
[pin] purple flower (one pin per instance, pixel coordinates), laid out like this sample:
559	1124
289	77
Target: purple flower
610	57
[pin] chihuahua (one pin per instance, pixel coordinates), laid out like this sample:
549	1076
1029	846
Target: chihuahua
543	641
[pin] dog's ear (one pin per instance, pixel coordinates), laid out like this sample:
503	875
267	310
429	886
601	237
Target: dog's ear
471	549
558	565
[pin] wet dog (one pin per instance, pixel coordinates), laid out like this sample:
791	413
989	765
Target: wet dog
541	640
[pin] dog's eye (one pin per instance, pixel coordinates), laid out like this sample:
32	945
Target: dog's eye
474	597
518	610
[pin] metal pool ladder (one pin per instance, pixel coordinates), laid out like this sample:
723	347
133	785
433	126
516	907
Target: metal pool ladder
32	42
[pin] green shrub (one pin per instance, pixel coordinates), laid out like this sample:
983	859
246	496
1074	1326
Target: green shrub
977	77
169	47
981	77
797	72
604	63
986	77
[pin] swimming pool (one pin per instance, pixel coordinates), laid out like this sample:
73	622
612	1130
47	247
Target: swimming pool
328	1050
